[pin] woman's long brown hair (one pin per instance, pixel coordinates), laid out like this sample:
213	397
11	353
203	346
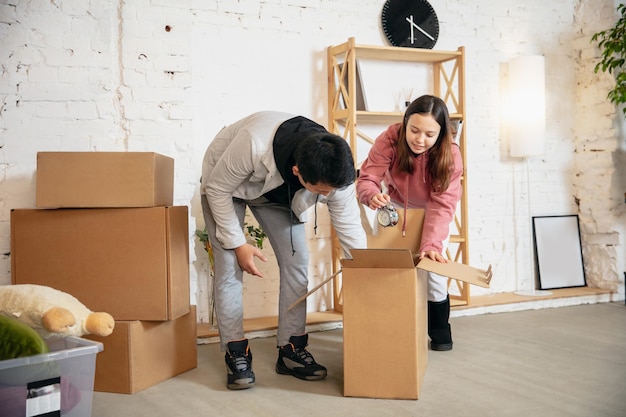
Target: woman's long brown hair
440	161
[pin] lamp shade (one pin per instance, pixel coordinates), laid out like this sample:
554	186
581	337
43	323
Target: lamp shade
527	95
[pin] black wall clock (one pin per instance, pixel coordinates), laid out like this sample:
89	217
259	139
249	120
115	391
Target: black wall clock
410	23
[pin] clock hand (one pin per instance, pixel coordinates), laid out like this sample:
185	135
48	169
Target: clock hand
410	20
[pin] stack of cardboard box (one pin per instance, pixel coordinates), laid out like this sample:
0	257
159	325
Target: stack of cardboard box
105	230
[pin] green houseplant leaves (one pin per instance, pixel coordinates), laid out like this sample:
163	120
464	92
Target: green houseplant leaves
612	43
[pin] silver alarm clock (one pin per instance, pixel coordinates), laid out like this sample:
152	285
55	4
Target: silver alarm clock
387	216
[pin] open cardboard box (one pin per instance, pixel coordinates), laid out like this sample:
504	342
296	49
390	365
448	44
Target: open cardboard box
385	325
385	310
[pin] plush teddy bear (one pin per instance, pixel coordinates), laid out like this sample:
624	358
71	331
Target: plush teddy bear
52	313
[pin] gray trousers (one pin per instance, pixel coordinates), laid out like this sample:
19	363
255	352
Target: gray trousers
288	239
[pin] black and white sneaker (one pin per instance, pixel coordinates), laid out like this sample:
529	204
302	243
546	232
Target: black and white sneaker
239	365
294	359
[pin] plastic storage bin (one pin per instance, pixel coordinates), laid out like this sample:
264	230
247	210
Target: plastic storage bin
58	383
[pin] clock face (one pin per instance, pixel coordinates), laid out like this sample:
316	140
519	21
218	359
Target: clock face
387	216
410	23
383	218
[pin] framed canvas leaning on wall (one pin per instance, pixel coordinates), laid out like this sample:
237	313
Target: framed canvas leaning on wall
558	253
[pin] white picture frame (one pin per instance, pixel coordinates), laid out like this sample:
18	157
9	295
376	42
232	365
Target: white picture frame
558	252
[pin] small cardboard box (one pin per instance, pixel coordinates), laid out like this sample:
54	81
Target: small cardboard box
130	262
140	354
67	371
385	310
104	179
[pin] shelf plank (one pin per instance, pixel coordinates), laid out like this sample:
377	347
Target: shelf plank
380	117
393	53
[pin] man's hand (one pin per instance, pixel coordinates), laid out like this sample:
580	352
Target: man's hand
245	257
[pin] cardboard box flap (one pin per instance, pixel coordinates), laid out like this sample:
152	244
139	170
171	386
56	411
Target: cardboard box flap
392	238
403	258
458	271
379	258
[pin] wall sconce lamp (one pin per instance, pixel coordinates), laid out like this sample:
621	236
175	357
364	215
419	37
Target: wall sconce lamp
527	124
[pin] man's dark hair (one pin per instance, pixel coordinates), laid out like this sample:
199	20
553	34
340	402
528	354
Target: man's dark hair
324	158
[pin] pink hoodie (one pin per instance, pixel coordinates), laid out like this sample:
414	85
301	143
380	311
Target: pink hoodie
412	191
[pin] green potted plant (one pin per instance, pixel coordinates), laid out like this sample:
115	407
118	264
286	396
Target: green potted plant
612	43
203	237
256	234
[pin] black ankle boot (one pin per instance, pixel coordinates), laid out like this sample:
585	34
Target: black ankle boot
438	326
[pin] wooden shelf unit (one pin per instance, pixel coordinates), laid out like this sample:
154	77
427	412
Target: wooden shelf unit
448	70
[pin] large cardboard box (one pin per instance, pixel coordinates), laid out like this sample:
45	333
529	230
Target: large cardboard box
385	345
130	262
140	354
385	312
104	179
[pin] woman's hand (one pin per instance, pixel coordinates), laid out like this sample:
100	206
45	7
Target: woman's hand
245	257
379	200
434	255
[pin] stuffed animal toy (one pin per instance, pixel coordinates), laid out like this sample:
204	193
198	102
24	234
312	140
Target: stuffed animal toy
52	313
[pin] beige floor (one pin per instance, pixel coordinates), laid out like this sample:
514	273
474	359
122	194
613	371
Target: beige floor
568	361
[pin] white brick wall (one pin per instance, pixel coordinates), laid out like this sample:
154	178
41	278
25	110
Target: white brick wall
600	158
165	76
